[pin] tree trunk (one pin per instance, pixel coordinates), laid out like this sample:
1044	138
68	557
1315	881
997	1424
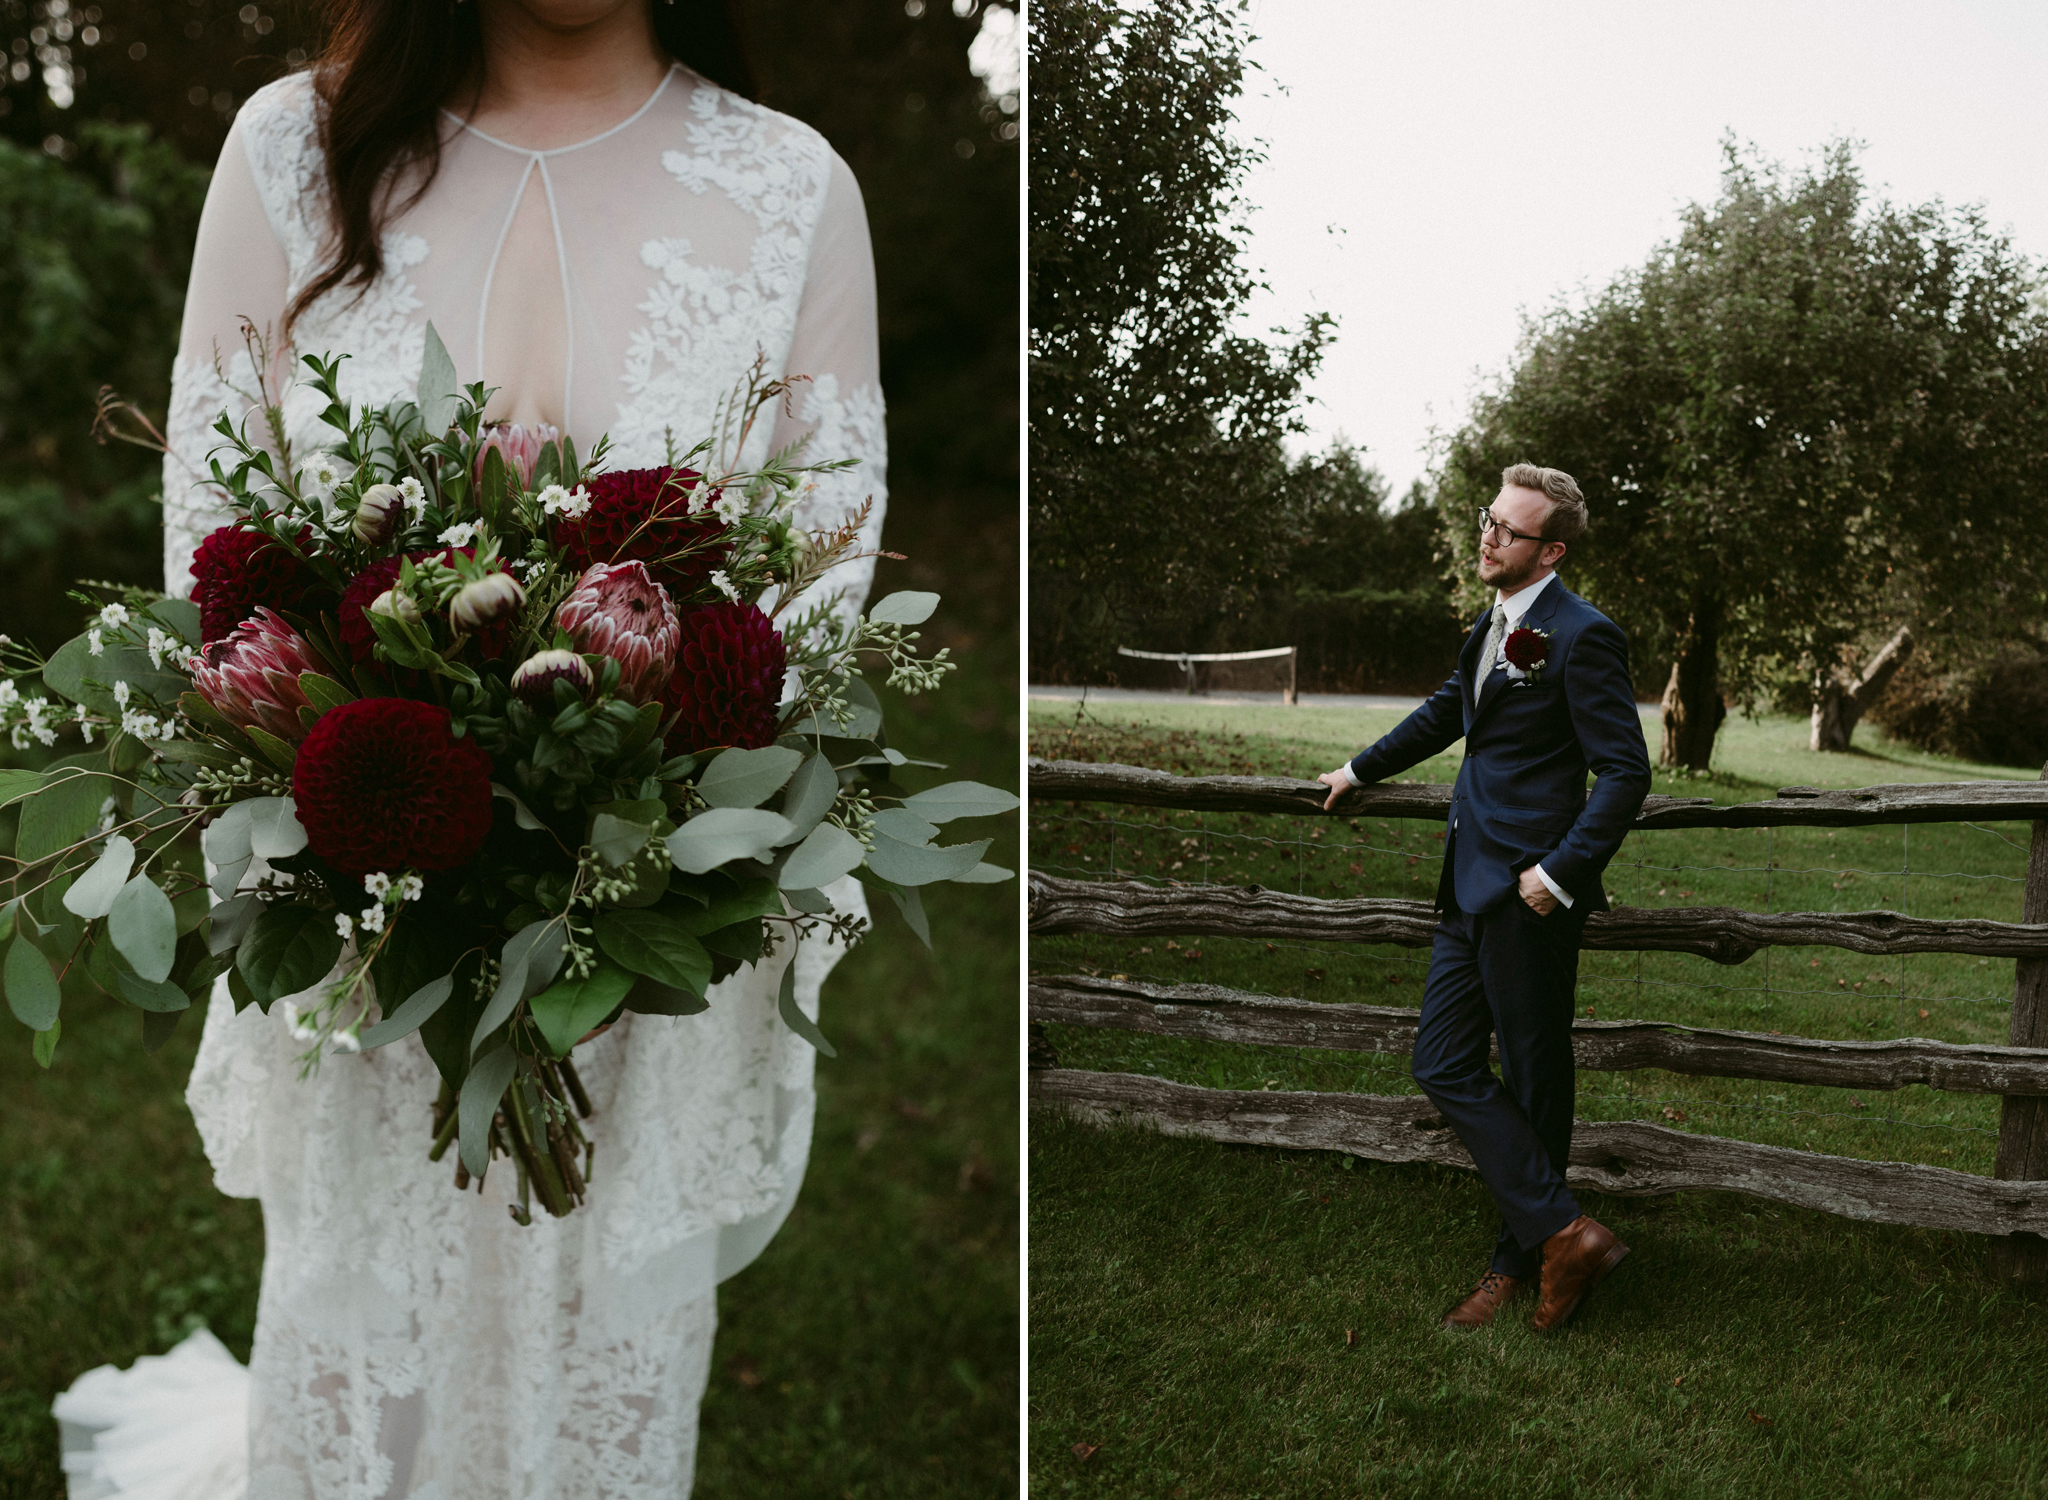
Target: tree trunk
1693	709
1838	702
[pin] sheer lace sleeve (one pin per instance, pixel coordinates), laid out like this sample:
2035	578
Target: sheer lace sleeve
239	270
835	345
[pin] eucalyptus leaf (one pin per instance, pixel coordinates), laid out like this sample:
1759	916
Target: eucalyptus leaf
810	795
92	894
617	840
46	1044
72	665
747	778
409	1017
905	826
904	607
826	854
914	864
291	947
911	905
178	616
725	834
63	813
144	928
274	828
230	920
960	799
532	955
16	783
226	838
985	874
158	1027
478	1102
150	994
793	1015
32	992
438	388
521	813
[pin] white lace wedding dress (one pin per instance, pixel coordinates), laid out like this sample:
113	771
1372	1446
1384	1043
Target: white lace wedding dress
413	1341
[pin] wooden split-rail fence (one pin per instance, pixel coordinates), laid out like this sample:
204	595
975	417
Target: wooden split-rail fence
1631	1159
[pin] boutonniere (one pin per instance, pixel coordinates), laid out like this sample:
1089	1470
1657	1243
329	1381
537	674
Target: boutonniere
1527	652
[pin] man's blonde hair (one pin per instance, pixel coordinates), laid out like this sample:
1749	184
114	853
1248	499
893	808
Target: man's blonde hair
1567	521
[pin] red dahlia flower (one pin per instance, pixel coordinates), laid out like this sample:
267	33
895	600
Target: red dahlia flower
238	570
382	785
1526	648
728	679
618	611
252	677
644	515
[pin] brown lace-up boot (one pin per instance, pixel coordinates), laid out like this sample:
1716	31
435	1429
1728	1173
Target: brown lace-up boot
1575	1260
1477	1310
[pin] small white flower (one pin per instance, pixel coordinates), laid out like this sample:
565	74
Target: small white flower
377	883
411	888
723	584
85	723
302	1029
121	693
414	494
322	476
9	693
344	924
93	645
557	501
461	534
110	814
347	1041
372	919
114	616
156	646
730	507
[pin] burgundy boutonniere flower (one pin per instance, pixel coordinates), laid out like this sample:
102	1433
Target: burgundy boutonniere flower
1527	652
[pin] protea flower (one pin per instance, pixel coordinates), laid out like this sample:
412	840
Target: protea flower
537	675
519	445
620	612
252	677
491	598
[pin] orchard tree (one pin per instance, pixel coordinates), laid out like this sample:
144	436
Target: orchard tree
1155	458
1808	420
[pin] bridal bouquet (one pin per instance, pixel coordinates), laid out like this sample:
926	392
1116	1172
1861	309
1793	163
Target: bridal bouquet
485	742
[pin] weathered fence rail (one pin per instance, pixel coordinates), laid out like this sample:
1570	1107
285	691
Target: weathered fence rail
1629	1158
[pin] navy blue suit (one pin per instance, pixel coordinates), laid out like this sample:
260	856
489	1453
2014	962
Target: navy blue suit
1497	967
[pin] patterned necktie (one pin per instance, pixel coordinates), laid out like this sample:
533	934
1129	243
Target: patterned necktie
1491	654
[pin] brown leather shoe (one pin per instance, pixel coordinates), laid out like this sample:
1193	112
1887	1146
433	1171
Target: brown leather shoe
1477	1310
1575	1260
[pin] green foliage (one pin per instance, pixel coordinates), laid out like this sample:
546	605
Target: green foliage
1155	429
1988	704
1807	415
93	259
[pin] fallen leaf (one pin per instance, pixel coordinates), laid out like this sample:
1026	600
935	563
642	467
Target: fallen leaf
1350	1338
1923	1015
1760	1419
1119	976
1857	1103
1192	953
746	1372
1358	869
1589	1012
1314	974
1085	1451
1813	963
1673	1112
1144	950
1678	1380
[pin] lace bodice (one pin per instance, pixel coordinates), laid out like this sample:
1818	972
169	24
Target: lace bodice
411	1340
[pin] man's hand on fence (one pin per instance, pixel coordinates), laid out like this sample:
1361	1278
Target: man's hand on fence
1536	893
1338	783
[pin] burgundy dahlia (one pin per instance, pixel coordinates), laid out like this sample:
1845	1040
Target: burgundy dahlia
382	785
644	515
728	679
1526	648
252	677
618	611
239	570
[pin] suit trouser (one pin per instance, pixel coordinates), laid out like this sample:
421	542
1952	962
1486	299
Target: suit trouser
1510	973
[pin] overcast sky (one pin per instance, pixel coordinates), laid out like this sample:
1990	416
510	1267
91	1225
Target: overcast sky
1434	169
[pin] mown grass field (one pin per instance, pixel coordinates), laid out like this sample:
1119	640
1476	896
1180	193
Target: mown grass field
870	1352
1190	1302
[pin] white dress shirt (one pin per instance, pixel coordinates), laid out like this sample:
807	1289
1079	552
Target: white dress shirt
1517	605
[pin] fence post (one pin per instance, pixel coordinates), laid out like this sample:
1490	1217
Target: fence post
2023	1118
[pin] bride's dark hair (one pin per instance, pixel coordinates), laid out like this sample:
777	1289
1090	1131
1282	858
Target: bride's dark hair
388	68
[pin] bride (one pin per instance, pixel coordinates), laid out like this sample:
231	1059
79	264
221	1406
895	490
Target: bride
580	197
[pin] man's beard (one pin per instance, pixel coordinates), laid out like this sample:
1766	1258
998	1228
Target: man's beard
1510	582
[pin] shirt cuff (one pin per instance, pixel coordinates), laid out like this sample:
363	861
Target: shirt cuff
1555	889
1345	771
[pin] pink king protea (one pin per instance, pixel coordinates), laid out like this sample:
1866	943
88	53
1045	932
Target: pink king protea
519	445
620	612
252	676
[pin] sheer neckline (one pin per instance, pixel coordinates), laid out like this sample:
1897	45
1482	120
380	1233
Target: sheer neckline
659	90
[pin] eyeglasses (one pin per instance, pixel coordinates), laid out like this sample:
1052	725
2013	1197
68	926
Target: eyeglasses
1492	530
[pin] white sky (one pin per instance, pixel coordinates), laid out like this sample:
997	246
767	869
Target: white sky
1415	147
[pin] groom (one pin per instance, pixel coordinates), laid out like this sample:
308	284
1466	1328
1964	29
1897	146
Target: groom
1541	696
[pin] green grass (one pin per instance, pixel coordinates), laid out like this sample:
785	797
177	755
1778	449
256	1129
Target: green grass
871	1351
1190	1300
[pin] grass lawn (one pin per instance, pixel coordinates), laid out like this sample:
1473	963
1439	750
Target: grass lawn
871	1351
1191	1301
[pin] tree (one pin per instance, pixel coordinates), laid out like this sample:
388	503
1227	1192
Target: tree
1805	421
1154	429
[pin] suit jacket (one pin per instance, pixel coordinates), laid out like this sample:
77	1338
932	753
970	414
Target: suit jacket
1520	797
